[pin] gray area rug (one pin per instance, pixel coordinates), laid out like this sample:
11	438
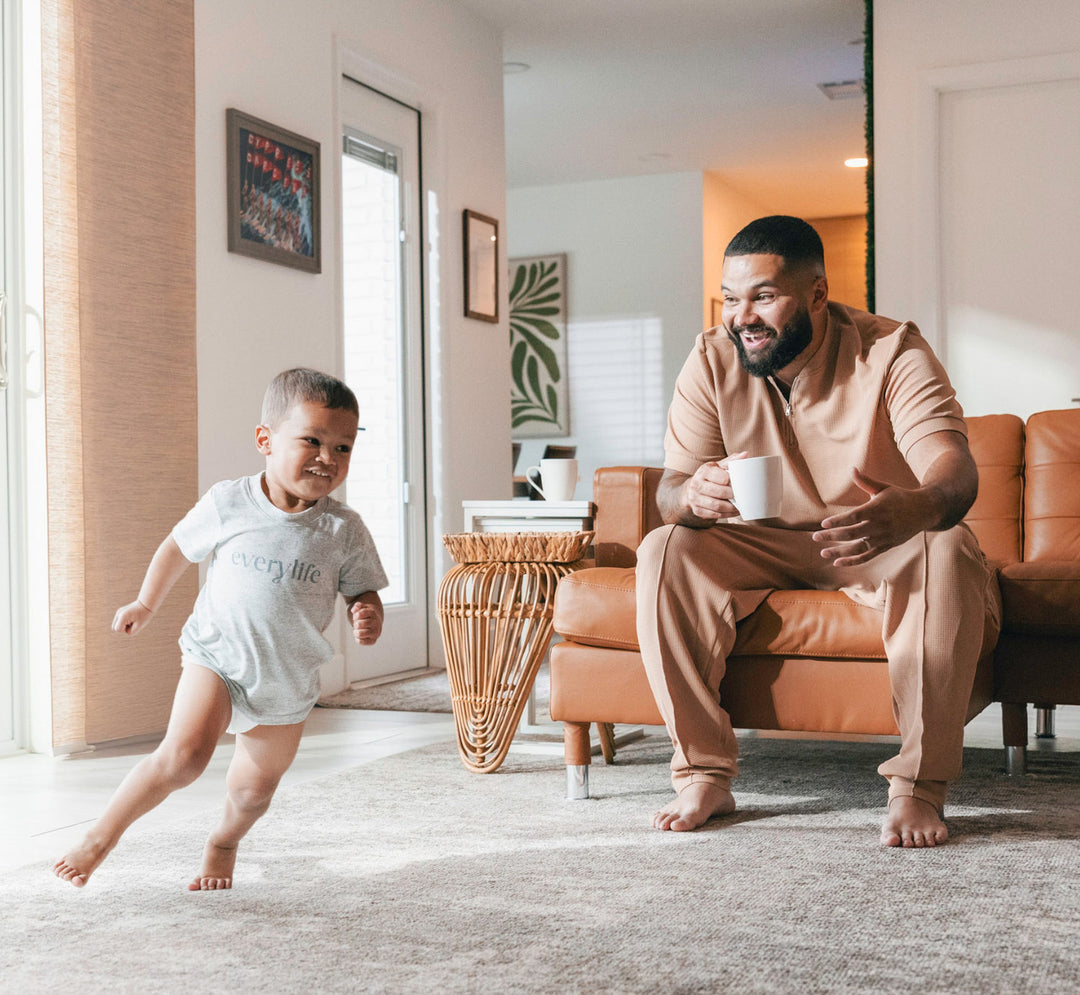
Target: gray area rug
428	693
413	875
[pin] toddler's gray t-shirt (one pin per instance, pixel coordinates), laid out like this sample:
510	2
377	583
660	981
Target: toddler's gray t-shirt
270	593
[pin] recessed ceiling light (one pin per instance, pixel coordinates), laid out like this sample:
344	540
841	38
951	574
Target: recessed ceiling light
511	68
859	162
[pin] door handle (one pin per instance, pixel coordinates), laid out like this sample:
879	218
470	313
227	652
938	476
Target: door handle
34	376
3	342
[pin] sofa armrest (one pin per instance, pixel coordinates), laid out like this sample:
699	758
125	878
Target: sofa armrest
626	511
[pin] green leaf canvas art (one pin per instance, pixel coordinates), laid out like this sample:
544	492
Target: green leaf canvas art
539	393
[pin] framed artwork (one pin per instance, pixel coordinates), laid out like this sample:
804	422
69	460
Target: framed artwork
481	245
273	199
539	392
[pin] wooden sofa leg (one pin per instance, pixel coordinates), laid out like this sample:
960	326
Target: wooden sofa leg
606	732
577	748
1014	732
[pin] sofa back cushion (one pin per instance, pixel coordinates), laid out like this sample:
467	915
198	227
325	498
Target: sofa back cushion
626	509
997	445
1052	494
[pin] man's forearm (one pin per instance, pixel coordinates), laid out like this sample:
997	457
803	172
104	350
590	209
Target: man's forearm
948	479
673	507
950	485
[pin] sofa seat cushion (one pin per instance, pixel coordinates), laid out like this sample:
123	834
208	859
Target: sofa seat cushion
593	684
1041	597
811	624
597	607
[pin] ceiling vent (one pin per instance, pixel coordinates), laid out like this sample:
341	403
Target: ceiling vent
843	91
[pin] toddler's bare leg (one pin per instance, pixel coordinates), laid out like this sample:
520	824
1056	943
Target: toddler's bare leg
262	756
200	714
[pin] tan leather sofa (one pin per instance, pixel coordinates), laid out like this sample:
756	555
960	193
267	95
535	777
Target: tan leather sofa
813	661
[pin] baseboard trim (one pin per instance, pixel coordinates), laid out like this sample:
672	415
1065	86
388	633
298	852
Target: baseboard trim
373	682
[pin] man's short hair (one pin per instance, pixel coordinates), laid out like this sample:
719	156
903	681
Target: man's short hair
792	239
301	385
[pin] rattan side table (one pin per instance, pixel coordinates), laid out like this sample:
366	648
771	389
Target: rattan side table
495	609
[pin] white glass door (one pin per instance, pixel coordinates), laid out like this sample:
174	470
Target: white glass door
7	351
7	690
383	350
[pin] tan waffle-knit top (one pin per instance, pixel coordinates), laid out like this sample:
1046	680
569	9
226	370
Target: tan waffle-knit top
871	390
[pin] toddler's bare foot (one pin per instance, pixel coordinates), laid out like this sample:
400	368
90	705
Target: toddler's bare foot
695	805
911	822
217	868
78	864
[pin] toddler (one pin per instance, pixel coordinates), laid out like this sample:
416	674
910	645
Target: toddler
280	550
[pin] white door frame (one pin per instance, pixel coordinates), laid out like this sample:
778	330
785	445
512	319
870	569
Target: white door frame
352	60
932	86
391	123
13	517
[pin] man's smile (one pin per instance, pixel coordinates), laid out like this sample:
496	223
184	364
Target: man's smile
753	338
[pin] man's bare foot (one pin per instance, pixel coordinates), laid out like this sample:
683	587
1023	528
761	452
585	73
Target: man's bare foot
911	822
695	805
78	864
217	868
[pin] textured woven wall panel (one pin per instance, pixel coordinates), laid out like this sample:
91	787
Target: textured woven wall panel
67	622
121	353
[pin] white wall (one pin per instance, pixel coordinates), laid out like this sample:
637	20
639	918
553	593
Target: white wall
280	61
634	265
977	167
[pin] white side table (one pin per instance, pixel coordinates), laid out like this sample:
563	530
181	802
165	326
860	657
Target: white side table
523	515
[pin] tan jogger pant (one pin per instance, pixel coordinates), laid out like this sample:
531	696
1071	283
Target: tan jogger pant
936	599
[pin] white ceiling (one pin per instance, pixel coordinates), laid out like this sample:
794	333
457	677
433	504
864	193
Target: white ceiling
632	87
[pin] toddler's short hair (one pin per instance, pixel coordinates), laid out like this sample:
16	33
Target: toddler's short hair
299	385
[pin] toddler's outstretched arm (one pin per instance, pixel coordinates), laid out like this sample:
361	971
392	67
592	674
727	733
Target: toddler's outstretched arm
366	617
164	571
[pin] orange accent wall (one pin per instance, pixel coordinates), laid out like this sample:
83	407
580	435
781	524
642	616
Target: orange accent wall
844	239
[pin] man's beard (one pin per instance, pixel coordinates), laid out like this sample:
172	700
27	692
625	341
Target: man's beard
787	345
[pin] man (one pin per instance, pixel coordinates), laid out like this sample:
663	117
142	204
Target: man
877	477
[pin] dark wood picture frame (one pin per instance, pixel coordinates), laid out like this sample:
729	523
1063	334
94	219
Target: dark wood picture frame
480	242
273	193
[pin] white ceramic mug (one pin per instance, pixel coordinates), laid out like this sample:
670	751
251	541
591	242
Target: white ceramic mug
559	477
758	486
